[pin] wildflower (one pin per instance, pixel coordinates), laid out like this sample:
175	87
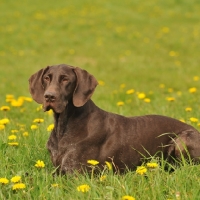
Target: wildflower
13	143
102	178
34	127
50	112
50	127
193	119
9	98
141	95
4	121
28	99
127	197
17	103
170	99
4	180
14	131
38	121
39	108
182	120
54	185
188	109
12	137
5	108
162	85
25	134
2	127
120	103
152	165
101	83
109	165
141	170
147	100
18	186
16	179
173	53
93	162
83	188
131	91
192	90
195	78
122	86
40	164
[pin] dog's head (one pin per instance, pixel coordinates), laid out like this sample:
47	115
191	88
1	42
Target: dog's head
54	86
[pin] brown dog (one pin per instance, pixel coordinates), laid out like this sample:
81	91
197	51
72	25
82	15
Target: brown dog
83	131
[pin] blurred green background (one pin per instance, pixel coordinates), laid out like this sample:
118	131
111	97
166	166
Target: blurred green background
141	44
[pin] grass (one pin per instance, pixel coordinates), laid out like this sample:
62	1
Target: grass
149	46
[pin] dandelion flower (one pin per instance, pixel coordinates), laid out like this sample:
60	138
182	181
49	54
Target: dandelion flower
17	103
192	90
25	134
34	127
50	127
83	188
12	137
109	165
2	127
14	131
13	143
38	121
127	197
162	86
4	121
102	178
18	186
5	108
16	179
93	162
141	170
193	119
170	99
54	185
195	78
152	165
147	100
4	180
122	86
40	164
120	103
131	91
141	95
188	109
101	83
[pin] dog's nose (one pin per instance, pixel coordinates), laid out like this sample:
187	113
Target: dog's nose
49	97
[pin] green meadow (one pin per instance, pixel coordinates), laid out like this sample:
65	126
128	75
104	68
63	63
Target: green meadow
145	55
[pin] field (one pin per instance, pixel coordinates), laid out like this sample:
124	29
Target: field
145	55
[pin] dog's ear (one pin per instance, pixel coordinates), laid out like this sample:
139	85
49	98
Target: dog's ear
85	86
35	85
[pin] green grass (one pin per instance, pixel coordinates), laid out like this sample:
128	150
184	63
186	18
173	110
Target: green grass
140	44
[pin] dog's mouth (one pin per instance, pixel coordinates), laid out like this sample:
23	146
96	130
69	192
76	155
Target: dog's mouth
56	107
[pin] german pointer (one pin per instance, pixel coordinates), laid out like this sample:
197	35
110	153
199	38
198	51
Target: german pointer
83	131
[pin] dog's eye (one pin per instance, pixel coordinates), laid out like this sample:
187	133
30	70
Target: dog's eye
65	79
46	78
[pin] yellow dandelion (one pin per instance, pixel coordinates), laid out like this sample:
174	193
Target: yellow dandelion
170	99
38	121
196	78
170	90
192	90
2	127
152	165
17	103
182	120
162	86
16	179
18	186
127	197
54	185
131	91
50	127
40	164
147	100
12	137
5	108
188	109
4	121
193	119
101	83
25	134
122	86
13	143
34	127
92	162
109	165
4	180
141	95
14	131
141	170
28	99
120	103
9	98
102	178
83	188
173	53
